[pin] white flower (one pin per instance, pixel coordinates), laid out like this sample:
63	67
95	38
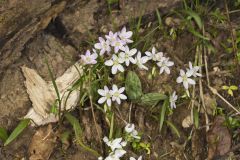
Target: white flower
89	58
153	55
139	158
127	55
115	62
130	129
125	36
111	37
184	78
116	155
173	98
139	61
100	158
103	46
194	70
106	96
117	94
115	144
164	65
118	44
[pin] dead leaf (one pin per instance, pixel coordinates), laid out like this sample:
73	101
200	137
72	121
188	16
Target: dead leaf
210	103
42	144
218	138
187	122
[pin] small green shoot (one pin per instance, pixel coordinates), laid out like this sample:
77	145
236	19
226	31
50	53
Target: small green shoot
162	113
173	127
196	118
3	134
78	133
230	89
17	131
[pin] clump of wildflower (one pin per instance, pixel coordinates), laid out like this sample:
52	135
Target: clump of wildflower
114	94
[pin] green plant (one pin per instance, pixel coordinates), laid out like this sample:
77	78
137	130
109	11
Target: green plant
230	89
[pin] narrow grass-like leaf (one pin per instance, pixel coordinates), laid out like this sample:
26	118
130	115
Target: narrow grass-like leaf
151	99
197	34
159	18
196	17
162	114
196	117
16	132
111	126
53	80
133	86
76	125
3	134
78	133
173	127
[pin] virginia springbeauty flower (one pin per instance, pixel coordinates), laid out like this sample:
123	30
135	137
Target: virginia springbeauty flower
153	55
185	79
130	129
117	94
115	62
103	46
164	65
125	35
106	96
89	58
139	61
139	158
111	37
173	98
115	144
127	55
116	155
118	44
194	70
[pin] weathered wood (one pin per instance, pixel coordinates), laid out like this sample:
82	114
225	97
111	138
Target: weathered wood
11	50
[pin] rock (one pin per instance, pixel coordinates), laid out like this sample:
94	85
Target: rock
42	144
219	139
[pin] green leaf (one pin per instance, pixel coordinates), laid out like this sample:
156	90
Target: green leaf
16	132
76	125
234	88
162	113
133	86
197	34
173	127
225	87
112	1
196	17
3	134
159	17
196	117
230	92
151	99
78	133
